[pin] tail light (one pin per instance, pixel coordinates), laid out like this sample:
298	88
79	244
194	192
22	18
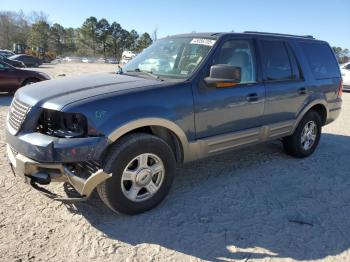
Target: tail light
340	88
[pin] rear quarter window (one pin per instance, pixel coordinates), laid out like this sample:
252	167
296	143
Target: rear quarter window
320	59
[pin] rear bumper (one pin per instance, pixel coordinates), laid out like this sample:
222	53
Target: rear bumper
28	169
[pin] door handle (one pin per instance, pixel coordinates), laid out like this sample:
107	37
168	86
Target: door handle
302	91
253	97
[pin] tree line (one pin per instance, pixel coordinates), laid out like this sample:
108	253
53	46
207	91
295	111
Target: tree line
95	36
343	55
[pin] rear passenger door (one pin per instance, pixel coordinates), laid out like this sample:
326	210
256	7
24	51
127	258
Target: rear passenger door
285	87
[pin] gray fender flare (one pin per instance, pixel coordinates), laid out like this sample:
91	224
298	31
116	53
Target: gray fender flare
317	101
153	121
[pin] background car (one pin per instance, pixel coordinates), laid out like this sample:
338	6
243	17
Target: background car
102	60
127	56
345	72
70	59
28	60
88	60
12	78
14	63
6	53
112	61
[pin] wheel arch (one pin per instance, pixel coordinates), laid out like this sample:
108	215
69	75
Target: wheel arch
318	105
321	110
162	128
28	79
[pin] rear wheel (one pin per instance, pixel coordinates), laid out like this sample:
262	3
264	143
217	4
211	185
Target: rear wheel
306	136
142	168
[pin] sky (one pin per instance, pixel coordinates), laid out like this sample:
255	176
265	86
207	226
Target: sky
324	19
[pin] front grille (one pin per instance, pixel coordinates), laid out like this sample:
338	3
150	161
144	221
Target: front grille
17	114
84	169
89	166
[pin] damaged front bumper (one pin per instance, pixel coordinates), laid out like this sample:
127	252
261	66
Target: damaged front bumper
31	170
41	159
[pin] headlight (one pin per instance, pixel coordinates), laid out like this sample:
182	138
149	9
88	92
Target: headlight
61	124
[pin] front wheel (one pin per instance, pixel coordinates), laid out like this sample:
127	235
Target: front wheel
30	81
142	168
306	136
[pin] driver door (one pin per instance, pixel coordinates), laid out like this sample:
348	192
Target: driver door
225	110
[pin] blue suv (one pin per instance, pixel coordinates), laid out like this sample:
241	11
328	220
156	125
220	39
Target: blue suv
184	98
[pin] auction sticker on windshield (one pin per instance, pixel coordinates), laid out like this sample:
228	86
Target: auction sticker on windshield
203	41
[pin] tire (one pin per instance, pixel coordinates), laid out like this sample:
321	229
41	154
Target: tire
127	152
30	81
294	145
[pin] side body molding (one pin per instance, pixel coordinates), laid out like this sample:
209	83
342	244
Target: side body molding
201	148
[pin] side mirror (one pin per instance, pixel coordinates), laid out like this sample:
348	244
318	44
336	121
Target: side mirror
222	76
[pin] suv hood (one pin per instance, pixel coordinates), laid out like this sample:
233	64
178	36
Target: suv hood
55	94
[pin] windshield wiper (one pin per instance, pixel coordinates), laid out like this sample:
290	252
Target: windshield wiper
148	73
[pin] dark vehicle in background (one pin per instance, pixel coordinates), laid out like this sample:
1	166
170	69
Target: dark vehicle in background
14	63
28	60
12	78
184	98
6	53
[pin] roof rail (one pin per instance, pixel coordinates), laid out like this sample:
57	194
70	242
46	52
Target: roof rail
278	34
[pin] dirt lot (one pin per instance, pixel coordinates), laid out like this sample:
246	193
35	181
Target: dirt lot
71	69
255	204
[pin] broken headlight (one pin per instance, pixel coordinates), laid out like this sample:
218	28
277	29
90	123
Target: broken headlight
62	124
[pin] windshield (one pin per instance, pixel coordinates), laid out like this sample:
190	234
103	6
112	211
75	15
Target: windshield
172	57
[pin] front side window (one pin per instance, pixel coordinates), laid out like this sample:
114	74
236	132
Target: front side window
239	53
275	61
176	57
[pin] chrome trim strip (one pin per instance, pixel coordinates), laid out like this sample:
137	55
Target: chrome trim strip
213	145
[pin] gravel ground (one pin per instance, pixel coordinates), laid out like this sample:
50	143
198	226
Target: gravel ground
255	204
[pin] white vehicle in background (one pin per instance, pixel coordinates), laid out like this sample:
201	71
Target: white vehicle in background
152	65
88	60
127	56
345	72
71	59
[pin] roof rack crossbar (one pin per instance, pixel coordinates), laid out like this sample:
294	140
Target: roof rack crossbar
278	34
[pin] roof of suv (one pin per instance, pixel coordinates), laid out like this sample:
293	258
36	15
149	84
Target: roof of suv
219	34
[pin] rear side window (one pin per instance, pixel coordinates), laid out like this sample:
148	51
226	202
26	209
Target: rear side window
321	60
275	60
